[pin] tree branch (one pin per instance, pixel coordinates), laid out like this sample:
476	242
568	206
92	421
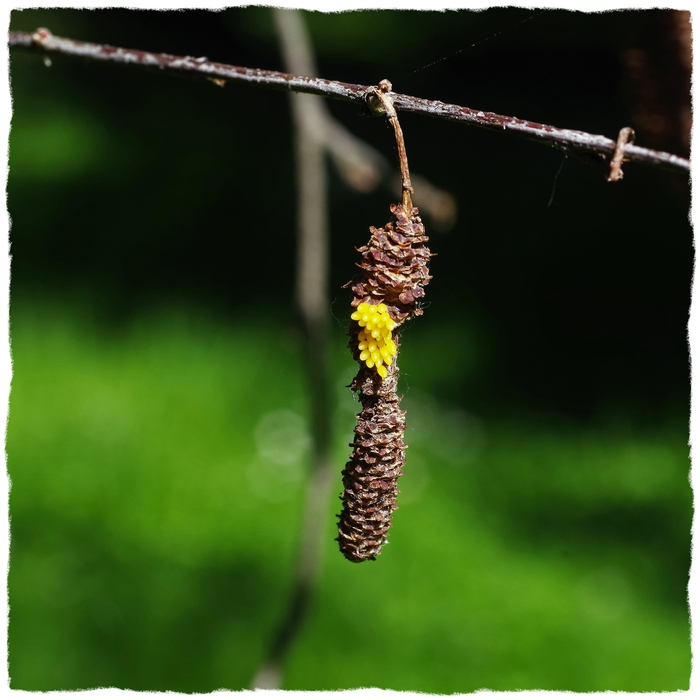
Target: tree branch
578	143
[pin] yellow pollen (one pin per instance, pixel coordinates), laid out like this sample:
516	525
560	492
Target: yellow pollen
377	347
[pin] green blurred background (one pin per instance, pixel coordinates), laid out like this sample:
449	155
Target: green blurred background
158	439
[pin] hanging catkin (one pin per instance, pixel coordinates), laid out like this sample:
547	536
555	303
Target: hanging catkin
386	293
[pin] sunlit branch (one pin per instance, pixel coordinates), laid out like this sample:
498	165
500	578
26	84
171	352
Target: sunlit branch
577	143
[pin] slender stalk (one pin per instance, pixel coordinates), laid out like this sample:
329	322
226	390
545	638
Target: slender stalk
578	143
381	94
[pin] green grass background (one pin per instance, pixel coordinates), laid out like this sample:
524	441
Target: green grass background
157	477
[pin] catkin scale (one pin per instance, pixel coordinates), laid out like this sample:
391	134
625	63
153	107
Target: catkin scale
394	271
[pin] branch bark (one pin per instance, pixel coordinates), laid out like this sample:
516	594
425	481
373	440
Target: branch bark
577	143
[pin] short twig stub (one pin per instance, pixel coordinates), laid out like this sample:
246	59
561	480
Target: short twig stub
625	136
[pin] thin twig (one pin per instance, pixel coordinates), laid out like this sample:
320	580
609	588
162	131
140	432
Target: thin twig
313	302
573	142
362	167
386	106
626	136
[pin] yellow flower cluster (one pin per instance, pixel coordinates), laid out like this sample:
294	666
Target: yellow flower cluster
376	346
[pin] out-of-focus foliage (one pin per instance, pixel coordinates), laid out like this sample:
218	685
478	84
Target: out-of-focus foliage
158	441
157	486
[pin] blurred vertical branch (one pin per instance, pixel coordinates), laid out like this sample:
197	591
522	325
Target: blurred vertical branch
313	304
362	168
658	62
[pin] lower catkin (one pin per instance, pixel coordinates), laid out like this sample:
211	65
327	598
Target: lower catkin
386	293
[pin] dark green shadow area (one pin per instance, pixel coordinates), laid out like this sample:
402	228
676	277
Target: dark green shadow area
157	484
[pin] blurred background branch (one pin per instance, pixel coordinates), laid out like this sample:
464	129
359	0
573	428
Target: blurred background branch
578	143
313	304
362	168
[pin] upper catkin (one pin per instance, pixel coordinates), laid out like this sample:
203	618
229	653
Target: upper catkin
394	271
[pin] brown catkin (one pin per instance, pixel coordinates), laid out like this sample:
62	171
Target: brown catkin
394	271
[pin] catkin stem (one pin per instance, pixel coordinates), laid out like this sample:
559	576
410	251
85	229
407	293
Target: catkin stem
381	92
